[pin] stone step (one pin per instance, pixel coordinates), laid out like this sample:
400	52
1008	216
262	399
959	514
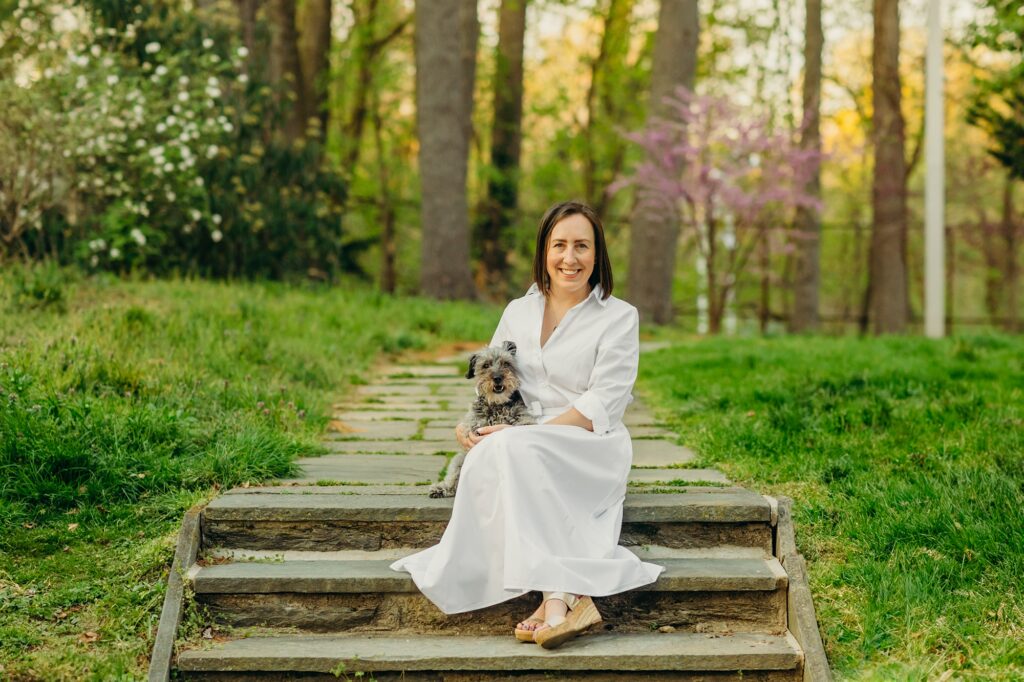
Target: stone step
708	593
686	517
675	656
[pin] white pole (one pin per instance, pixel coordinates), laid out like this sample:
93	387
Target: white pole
934	199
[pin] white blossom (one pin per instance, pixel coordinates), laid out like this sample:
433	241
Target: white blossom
81	82
137	235
196	215
115	252
152	48
171	196
243	52
95	50
207	43
169	167
212	151
243	78
161	70
215	218
182	96
216	235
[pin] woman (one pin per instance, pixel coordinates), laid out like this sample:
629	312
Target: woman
540	507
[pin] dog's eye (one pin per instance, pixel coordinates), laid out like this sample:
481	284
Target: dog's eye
485	365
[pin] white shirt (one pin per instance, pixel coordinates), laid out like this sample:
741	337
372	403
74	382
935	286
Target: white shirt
589	362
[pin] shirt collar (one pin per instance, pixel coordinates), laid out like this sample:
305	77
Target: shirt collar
596	293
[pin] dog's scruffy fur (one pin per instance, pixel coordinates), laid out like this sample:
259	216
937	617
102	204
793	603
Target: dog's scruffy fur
498	401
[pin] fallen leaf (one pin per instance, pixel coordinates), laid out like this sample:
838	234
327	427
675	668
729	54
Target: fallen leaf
29	524
208	633
88	637
666	628
60	614
246	484
72	526
67	548
751	413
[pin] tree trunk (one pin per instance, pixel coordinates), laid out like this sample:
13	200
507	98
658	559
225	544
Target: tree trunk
889	189
314	54
603	150
1011	272
385	207
499	209
443	126
806	282
247	11
655	232
284	69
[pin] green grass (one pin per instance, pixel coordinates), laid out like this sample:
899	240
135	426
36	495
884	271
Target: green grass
123	403
905	459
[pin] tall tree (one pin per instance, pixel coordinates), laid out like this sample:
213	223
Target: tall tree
314	22
888	272
807	275
607	97
655	229
284	68
443	121
499	207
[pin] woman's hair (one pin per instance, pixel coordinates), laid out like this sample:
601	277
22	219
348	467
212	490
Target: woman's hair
602	273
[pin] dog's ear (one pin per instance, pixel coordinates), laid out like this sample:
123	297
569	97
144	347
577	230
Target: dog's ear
510	347
471	372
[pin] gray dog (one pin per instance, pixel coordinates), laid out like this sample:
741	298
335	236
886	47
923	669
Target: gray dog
498	401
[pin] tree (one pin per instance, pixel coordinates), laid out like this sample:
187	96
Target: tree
888	259
443	121
314	46
655	232
807	272
499	206
284	68
609	96
728	177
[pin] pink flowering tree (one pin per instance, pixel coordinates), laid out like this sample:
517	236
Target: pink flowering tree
730	181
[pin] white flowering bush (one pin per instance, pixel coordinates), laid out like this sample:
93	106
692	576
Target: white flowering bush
161	157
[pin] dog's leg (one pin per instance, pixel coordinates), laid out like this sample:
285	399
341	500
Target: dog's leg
446	488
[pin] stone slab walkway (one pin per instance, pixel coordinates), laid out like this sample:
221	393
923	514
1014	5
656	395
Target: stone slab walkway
399	430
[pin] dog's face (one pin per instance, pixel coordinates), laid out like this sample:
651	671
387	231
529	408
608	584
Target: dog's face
495	372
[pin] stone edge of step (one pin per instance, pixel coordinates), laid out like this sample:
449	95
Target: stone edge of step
601	651
374	575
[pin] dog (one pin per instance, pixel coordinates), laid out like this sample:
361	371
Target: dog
498	401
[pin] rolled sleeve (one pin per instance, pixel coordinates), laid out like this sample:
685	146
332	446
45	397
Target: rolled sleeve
611	382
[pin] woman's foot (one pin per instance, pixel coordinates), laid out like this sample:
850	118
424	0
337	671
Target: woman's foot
535	620
552	635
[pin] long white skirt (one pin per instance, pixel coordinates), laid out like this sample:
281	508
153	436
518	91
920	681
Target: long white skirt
537	508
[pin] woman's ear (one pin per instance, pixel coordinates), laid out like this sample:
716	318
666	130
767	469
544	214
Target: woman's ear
471	372
510	347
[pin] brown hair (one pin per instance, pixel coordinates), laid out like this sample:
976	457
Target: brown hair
602	273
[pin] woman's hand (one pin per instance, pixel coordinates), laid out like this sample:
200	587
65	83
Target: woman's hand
468	439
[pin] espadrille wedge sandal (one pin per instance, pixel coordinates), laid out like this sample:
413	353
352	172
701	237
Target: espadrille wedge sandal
578	620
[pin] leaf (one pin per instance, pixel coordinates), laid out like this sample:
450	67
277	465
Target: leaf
72	526
208	633
88	637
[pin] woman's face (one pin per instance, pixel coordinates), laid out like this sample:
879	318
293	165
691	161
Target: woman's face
570	255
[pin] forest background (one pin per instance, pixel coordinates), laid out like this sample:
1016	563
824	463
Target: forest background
154	154
280	139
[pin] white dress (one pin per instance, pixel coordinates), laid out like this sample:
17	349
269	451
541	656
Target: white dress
540	507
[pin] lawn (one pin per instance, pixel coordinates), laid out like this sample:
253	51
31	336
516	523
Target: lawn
123	403
905	458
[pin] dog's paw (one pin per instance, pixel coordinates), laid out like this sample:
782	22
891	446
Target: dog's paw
440	490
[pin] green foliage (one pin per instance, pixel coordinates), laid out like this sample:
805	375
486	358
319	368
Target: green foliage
164	155
904	459
997	105
138	402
